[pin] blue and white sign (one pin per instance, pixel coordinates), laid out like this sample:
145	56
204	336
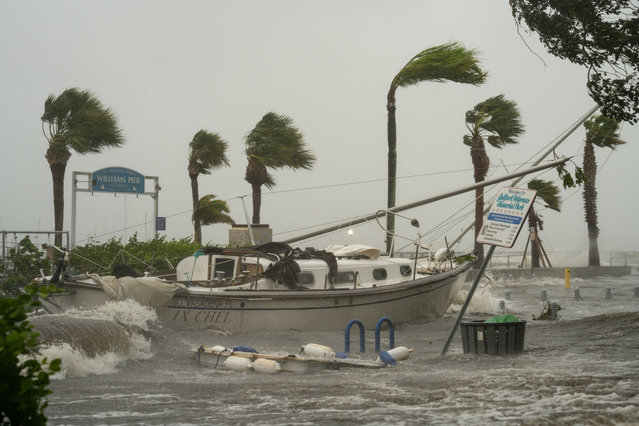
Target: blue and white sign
117	179
506	217
160	223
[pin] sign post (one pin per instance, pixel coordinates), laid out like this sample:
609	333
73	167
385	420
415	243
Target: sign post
501	228
115	180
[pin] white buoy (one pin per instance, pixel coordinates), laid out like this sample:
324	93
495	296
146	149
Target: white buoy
237	363
399	353
320	351
266	366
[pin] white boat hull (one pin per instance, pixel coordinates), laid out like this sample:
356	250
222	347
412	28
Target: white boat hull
238	311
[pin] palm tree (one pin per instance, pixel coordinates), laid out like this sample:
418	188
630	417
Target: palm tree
603	132
447	62
75	121
207	151
548	193
497	121
274	143
210	210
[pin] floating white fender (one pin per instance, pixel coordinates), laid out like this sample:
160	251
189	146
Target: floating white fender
237	363
267	366
218	349
399	353
320	351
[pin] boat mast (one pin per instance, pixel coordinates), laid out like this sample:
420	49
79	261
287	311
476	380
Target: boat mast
427	200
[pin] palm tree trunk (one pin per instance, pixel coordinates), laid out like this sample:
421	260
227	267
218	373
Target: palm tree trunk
480	164
534	246
257	202
392	166
590	203
197	226
57	175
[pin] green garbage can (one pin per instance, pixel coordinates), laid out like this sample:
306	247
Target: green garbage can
493	338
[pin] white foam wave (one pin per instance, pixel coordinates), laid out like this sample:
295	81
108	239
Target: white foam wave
126	312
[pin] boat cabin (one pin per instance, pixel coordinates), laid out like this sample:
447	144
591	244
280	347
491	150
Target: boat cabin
231	269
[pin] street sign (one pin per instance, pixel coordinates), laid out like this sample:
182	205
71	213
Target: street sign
160	223
117	179
506	217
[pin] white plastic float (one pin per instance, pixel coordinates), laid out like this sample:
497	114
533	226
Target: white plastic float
312	357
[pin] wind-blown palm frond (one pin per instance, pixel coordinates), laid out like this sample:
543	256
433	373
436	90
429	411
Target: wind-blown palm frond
447	62
211	211
78	121
603	132
548	192
496	121
74	121
274	143
497	117
207	152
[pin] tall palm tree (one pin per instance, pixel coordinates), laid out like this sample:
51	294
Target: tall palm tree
549	194
447	62
74	121
207	151
210	211
603	132
496	121
274	143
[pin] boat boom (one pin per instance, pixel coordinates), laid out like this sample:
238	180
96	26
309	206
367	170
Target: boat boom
427	200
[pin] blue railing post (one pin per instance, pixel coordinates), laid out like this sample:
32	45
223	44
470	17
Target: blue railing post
347	336
391	330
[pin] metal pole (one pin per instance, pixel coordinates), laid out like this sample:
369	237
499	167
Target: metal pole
427	200
468	298
248	222
73	207
156	196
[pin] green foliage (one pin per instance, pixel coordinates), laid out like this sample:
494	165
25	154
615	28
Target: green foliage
567	179
603	132
546	191
207	152
22	266
276	143
599	34
211	211
141	255
78	121
447	62
24	379
496	117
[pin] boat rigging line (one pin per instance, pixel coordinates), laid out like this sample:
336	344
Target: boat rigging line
429	200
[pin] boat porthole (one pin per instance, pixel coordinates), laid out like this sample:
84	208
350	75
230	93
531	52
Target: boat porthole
242	305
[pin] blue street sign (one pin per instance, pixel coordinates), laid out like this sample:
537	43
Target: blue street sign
160	223
117	179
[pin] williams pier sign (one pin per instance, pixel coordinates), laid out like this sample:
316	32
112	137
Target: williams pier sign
117	179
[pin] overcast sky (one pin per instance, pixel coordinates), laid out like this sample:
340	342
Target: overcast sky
168	69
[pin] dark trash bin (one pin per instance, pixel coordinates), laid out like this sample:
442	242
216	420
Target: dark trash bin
493	338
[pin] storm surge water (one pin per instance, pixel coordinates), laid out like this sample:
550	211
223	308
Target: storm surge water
123	367
96	341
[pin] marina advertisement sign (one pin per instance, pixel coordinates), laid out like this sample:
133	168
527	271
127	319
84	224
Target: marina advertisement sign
506	217
117	179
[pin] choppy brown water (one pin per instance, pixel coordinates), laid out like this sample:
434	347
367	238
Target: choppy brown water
580	369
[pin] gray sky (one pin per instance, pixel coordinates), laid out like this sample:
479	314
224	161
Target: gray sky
168	69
